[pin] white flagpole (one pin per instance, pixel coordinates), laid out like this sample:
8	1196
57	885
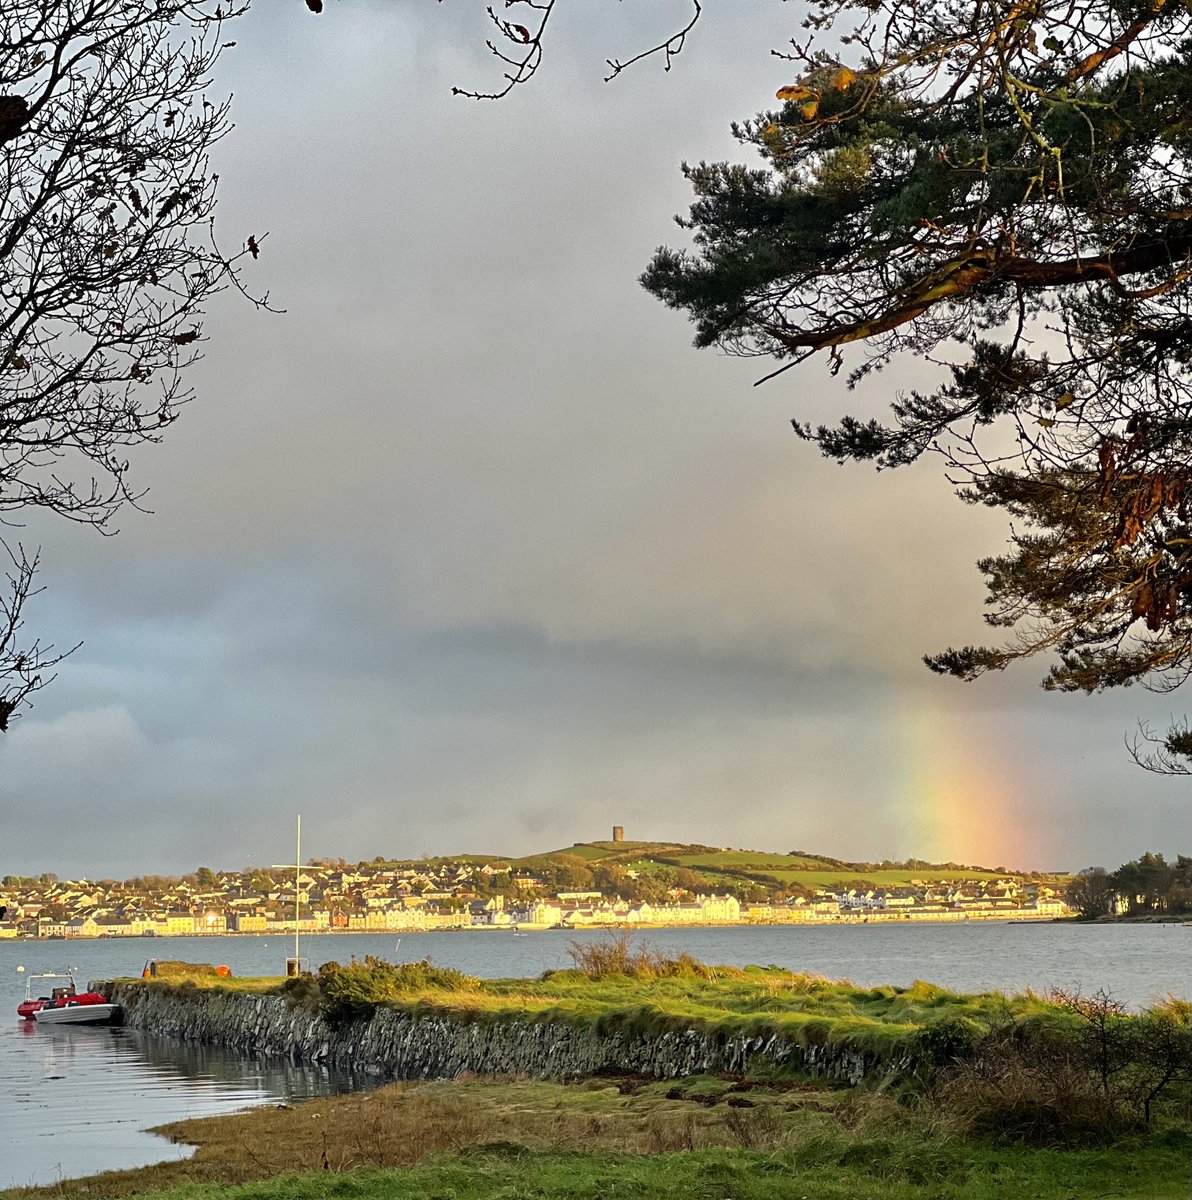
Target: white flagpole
297	865
297	886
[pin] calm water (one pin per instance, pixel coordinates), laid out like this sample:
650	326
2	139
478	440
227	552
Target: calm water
76	1101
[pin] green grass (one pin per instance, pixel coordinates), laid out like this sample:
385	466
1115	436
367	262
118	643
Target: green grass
886	1022
701	1138
591	851
723	997
878	1169
202	981
737	997
894	878
723	868
754	860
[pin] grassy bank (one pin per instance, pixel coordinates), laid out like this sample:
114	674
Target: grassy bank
653	996
700	1138
903	1033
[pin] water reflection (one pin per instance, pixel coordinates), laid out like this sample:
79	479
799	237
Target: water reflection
78	1100
197	1062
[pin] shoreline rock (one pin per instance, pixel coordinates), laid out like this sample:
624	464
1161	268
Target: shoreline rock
399	1045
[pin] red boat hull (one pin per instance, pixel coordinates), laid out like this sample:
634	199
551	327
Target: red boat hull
27	1008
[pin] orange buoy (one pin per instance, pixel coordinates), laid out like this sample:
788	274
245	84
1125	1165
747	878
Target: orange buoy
223	971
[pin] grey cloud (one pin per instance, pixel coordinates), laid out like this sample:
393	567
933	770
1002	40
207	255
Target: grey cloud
471	550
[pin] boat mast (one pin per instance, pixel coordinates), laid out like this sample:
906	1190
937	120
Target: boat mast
297	886
297	865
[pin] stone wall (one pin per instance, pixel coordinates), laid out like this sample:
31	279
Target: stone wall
403	1046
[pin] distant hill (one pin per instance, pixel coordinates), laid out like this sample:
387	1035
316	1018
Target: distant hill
723	867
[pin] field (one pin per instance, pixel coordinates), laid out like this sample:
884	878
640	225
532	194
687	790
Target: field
722	868
891	878
698	1139
753	860
723	874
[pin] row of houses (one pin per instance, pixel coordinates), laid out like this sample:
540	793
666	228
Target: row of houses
705	910
558	913
445	897
1001	899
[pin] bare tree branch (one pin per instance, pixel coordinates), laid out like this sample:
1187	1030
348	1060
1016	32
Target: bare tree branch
24	669
107	259
1162	754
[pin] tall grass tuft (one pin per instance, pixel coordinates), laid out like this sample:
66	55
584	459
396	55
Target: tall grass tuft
616	954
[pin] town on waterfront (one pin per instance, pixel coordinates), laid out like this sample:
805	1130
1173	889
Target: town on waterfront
590	884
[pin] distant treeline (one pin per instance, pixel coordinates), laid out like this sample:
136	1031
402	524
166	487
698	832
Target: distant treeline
1148	885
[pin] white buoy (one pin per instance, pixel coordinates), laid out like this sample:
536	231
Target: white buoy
20	969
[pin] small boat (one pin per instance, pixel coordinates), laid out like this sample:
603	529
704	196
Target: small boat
76	1012
64	1004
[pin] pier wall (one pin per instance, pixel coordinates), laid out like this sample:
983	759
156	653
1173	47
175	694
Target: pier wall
397	1045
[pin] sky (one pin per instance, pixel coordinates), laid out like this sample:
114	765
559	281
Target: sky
470	550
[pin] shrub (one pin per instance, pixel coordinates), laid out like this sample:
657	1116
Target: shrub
1026	1084
302	991
358	989
1088	1073
1136	1059
944	1042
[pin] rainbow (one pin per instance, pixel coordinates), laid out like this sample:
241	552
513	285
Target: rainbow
959	798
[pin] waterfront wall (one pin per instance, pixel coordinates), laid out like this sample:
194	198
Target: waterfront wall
397	1045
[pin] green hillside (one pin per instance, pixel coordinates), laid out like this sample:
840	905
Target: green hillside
723	868
655	872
